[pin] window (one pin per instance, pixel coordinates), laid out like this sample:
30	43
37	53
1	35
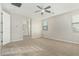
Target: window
45	25
75	23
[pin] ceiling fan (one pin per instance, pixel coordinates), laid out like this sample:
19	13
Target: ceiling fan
43	10
17	4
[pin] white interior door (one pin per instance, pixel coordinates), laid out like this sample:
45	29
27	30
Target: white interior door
6	28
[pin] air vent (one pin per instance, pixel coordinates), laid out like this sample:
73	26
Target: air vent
17	4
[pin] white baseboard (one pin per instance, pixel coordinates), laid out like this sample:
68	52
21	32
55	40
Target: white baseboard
62	40
16	40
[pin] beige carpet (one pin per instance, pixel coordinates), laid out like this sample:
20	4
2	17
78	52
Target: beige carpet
40	47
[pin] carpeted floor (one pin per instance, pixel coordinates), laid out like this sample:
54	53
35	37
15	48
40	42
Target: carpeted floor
40	47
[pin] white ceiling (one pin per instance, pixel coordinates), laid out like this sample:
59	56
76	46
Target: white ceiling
28	9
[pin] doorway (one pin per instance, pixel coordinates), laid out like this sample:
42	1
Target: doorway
27	29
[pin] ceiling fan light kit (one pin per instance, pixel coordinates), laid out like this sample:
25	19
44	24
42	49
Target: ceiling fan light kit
43	10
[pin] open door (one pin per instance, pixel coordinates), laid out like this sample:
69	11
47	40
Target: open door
6	27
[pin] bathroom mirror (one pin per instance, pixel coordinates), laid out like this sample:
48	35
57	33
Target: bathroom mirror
75	23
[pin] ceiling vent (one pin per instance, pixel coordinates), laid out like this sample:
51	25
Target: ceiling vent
17	4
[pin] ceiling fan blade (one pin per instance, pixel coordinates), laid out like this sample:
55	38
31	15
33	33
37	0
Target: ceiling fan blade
37	11
47	11
47	7
39	7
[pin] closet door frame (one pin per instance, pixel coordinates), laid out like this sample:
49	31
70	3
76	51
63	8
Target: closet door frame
1	32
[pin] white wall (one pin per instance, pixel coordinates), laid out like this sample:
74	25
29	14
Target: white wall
17	22
60	28
36	28
19	27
